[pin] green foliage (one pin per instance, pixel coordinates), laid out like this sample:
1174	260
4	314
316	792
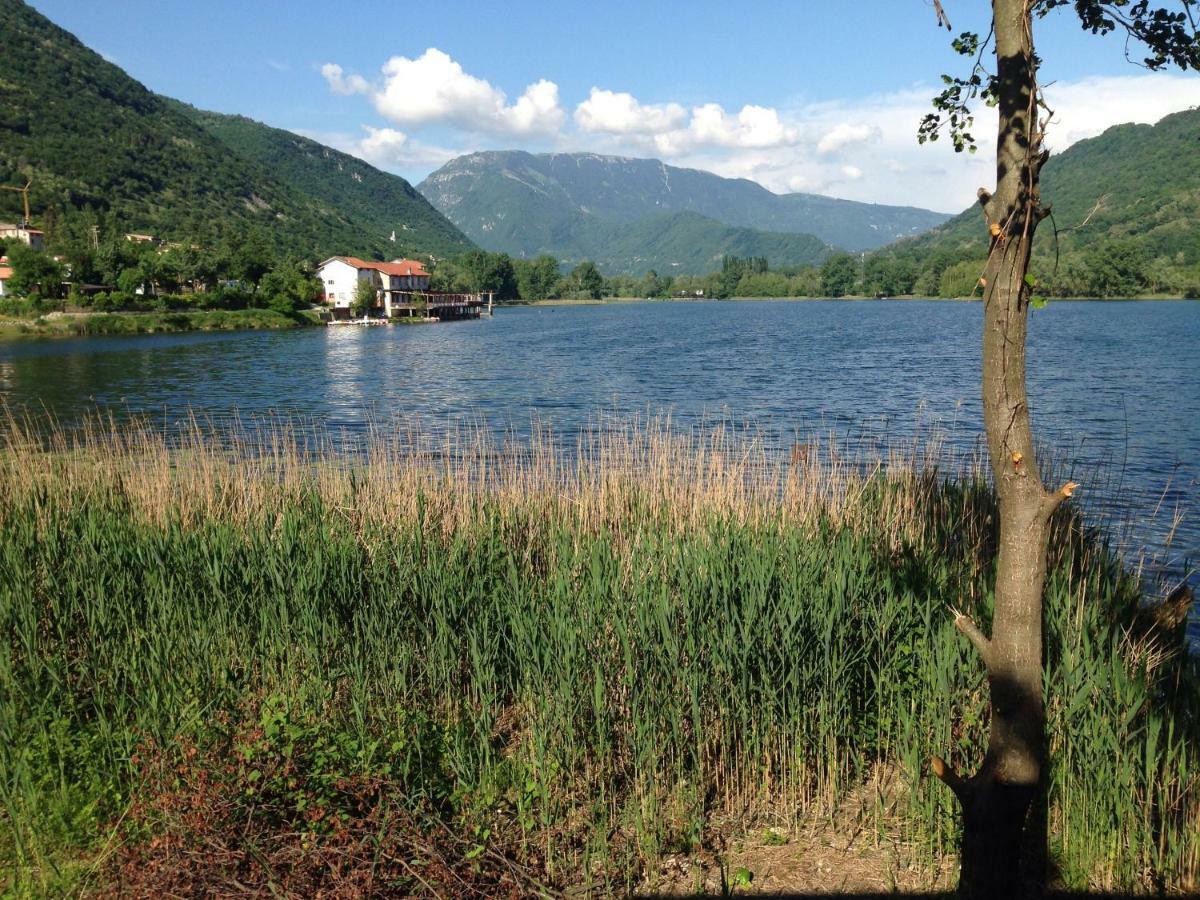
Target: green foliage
586	281
839	275
290	287
961	279
537	278
34	272
366	297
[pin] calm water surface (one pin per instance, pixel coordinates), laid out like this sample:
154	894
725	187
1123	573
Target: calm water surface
1114	386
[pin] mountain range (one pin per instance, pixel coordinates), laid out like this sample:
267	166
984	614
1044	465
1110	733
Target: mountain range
88	136
571	204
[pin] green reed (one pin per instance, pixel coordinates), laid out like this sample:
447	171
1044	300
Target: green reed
604	658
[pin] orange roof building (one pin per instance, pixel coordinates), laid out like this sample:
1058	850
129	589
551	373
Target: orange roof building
340	276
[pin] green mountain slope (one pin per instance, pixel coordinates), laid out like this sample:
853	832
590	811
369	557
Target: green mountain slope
524	203
370	198
91	137
1125	206
689	243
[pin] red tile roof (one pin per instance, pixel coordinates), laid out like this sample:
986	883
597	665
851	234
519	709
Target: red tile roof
5	273
398	267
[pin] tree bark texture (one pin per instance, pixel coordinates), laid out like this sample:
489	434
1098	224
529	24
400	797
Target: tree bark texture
996	800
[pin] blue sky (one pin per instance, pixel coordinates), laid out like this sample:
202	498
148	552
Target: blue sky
803	95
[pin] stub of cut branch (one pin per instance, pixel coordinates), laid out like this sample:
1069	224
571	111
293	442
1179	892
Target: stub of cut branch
1051	502
948	776
966	626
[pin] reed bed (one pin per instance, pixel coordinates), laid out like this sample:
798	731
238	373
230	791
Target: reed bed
572	657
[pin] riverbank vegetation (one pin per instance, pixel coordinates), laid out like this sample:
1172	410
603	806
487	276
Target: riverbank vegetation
243	661
94	324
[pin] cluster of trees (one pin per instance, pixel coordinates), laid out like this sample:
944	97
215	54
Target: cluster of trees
100	269
544	277
540	278
1108	268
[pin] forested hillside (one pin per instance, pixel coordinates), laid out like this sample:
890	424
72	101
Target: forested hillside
1125	206
371	199
100	147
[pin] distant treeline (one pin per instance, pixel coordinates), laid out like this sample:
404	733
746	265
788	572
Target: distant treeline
545	278
1107	269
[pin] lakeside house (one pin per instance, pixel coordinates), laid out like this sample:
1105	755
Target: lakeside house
31	237
5	274
395	282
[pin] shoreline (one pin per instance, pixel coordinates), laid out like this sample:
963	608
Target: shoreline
105	324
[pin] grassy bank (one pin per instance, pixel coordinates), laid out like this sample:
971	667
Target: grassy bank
448	667
80	324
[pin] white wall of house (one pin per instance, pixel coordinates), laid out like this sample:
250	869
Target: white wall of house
340	280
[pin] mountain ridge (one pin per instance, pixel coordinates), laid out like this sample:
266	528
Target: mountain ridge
524	203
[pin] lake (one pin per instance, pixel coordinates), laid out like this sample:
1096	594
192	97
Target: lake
1114	386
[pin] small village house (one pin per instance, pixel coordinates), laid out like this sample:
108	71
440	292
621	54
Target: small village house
395	283
6	273
31	237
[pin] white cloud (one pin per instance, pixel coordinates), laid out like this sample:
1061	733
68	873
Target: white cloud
340	84
854	173
434	89
621	113
844	135
1083	109
754	126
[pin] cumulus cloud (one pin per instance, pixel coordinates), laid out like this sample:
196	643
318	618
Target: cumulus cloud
866	149
621	113
340	84
844	134
434	89
753	127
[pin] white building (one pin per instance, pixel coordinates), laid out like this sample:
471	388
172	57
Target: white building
340	276
26	235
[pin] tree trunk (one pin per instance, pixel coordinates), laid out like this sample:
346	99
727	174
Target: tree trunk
996	800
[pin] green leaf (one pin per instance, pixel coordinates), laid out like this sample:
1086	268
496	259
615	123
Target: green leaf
1030	280
1037	302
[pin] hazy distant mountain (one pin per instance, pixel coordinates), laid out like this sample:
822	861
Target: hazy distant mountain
89	136
525	204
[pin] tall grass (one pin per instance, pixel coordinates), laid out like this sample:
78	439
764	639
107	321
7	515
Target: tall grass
590	656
